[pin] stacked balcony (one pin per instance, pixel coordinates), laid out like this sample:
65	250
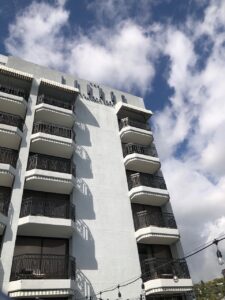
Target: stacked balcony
14	91
140	158
155	228
8	160
147	189
49	174
46	214
165	276
5	193
11	128
52	139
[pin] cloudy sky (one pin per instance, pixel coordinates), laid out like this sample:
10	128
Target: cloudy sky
171	53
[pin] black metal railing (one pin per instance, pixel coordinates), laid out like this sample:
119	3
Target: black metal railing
12	120
8	156
5	194
51	163
43	266
13	91
36	206
53	129
149	180
153	268
146	218
55	102
128	122
135	148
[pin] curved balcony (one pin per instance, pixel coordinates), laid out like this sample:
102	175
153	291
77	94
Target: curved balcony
147	189
11	127
13	100
135	132
46	217
141	159
5	193
43	266
165	276
8	160
155	228
52	139
54	111
50	174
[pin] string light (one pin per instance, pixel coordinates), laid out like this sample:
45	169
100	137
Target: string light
218	253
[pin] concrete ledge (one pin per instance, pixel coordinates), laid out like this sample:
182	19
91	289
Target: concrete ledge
7	174
130	134
142	163
167	286
157	235
148	195
10	136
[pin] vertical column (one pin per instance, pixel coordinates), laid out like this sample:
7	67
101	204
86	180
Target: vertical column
9	238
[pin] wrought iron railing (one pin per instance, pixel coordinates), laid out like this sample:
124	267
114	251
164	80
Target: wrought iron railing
55	102
13	91
51	163
43	266
5	193
36	206
12	120
53	129
128	122
146	218
135	148
153	268
149	180
8	156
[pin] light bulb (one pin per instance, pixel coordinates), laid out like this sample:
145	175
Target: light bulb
175	278
220	261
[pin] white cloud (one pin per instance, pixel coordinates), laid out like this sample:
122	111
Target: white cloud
120	56
123	56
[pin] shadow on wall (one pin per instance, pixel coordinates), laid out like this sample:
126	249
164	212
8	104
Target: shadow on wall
83	286
85	247
84	200
84	115
83	162
82	134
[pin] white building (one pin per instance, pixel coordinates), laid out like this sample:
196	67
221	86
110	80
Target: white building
66	143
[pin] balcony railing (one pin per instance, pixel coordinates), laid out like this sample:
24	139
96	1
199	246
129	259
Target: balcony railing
135	148
13	91
36	206
4	199
145	218
53	129
149	180
8	156
11	120
154	268
55	102
43	266
128	122
51	163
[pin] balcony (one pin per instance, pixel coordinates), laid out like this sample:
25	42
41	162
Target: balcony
52	139
165	276
5	194
135	132
11	127
43	266
13	100
141	159
46	217
55	111
50	174
147	189
8	160
155	228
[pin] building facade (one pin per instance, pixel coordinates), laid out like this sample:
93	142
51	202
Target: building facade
84	206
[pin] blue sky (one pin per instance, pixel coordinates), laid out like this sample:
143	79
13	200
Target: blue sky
170	52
